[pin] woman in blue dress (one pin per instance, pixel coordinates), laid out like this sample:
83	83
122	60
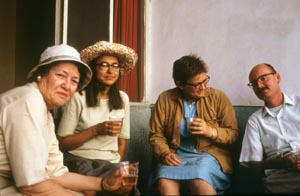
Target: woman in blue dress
194	153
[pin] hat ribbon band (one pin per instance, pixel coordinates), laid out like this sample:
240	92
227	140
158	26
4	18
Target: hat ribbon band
68	57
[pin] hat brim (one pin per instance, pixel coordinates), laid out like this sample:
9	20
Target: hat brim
88	71
126	55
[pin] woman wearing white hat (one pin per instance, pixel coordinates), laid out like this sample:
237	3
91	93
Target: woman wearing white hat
30	160
91	142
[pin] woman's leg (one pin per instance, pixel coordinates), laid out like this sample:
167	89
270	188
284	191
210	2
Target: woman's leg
200	187
168	187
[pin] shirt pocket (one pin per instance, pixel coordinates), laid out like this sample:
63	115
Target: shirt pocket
268	143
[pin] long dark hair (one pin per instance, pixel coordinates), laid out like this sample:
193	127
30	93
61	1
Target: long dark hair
94	87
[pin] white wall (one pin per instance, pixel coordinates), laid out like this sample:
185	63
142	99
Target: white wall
230	35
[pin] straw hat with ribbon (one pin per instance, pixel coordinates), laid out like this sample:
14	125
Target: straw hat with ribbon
126	55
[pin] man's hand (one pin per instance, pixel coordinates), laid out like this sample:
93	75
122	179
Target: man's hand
292	161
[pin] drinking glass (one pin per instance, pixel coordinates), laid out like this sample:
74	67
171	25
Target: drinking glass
115	119
129	172
189	120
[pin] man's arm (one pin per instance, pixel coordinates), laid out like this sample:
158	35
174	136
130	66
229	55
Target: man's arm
290	161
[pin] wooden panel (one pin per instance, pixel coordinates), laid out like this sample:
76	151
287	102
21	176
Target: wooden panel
35	30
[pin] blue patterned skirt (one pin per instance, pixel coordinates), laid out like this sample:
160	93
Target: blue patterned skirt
195	165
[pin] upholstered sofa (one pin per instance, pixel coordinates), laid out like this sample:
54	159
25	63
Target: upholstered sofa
138	149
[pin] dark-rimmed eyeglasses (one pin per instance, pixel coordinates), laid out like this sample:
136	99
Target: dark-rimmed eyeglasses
262	78
104	66
199	84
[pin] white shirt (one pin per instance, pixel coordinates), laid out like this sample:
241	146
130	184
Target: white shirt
29	150
77	116
269	135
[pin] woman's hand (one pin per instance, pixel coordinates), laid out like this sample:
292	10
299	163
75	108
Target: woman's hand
171	159
112	128
199	127
114	183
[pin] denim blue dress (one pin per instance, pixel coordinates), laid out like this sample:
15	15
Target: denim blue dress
194	165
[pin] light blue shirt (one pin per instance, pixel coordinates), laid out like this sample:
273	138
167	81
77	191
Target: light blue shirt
187	139
269	135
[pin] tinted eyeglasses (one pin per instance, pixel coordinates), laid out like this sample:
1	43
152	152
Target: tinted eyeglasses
262	78
199	84
104	66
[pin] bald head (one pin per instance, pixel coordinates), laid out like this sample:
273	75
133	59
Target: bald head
264	80
259	68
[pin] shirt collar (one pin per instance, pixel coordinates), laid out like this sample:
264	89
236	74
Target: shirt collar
286	101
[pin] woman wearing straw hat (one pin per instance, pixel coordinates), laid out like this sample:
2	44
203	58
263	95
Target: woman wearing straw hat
30	160
93	143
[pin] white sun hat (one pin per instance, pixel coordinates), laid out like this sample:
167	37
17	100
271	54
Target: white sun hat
63	52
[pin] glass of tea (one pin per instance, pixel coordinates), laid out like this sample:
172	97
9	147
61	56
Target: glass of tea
115	119
130	173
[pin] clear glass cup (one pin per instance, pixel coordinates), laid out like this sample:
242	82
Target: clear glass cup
115	119
189	120
130	172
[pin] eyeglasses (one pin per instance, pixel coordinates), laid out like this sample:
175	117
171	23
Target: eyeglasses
262	78
198	85
104	66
